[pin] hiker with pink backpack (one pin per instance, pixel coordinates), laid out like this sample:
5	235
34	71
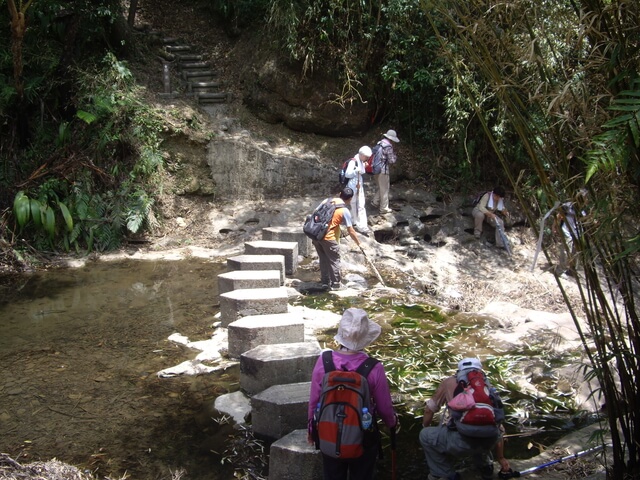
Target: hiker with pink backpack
469	427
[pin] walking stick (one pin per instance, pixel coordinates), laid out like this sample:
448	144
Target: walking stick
373	267
515	474
393	454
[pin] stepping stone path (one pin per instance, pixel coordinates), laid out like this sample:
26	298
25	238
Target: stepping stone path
276	360
194	73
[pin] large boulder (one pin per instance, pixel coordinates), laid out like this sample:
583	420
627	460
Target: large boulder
277	91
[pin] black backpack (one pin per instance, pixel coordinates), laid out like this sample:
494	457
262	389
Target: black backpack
317	224
342	179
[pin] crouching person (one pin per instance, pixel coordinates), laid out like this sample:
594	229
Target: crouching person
470	426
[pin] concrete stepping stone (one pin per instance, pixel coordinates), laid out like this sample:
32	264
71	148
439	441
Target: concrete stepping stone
279	410
239	279
271	247
249	332
252	301
279	364
292	458
258	262
290	234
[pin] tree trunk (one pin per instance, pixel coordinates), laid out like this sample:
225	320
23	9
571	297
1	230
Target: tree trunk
133	6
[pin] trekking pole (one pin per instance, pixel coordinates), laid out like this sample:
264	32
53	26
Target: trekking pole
393	454
516	474
539	245
373	267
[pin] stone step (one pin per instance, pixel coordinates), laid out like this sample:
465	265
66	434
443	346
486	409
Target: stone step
249	332
252	301
199	74
257	262
273	247
212	97
177	48
292	458
194	57
279	364
289	234
279	410
202	87
194	65
239	279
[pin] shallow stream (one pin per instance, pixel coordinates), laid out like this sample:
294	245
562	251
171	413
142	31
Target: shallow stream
80	350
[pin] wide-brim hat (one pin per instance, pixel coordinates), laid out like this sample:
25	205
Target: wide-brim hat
467	363
356	331
391	135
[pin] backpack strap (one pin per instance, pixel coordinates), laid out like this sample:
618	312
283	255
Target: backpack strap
327	361
365	367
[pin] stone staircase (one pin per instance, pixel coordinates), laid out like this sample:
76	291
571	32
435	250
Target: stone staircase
188	73
276	356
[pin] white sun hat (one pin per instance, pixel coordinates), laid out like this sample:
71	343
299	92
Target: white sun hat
356	331
466	363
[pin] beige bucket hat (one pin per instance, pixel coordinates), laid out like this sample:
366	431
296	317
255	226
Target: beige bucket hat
356	331
392	135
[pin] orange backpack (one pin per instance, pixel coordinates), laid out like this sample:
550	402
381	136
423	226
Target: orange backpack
338	419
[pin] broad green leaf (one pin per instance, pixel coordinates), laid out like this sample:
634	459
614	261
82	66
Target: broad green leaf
36	209
49	221
87	117
21	208
67	215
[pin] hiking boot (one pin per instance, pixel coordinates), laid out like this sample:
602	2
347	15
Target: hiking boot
337	287
385	210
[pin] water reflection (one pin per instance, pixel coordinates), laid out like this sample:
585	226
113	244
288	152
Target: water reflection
80	349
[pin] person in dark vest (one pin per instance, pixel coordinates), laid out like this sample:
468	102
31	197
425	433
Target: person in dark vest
355	332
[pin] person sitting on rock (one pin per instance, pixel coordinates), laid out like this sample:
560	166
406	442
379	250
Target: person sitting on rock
488	209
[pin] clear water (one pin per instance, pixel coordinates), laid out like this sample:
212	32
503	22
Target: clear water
80	349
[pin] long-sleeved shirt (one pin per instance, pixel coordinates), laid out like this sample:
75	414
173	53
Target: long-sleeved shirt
389	155
378	385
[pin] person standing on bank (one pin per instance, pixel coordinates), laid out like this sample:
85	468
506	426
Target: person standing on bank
487	209
329	247
354	172
355	332
381	198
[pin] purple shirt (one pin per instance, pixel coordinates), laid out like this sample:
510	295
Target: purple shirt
378	385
